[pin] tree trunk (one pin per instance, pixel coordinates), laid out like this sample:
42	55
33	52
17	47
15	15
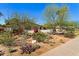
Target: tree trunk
54	30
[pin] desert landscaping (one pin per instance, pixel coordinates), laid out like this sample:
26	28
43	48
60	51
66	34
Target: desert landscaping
52	42
30	44
20	35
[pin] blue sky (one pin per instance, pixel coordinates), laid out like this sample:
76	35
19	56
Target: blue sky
35	10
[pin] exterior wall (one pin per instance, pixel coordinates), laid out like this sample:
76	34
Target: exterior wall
30	31
48	31
7	29
44	31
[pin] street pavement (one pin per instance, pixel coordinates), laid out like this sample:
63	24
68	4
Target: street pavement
70	48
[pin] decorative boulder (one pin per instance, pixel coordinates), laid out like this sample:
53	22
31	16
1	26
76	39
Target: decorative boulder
12	50
2	52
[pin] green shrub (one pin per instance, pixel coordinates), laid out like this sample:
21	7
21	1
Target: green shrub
35	46
69	34
8	42
28	35
39	36
6	39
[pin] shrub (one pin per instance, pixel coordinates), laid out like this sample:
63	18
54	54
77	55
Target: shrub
28	48
39	36
27	35
8	42
6	39
69	34
35	46
2	52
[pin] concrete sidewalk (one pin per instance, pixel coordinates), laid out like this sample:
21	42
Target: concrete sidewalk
71	48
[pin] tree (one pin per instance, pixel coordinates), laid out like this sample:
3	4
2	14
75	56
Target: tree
28	22
51	15
1	14
22	21
13	21
47	25
57	16
62	16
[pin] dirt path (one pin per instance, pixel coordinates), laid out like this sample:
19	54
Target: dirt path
71	48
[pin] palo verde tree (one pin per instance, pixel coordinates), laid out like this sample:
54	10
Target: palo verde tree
62	16
51	15
57	16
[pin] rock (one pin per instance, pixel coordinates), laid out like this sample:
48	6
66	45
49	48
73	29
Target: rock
12	50
31	41
18	42
34	41
2	52
62	41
